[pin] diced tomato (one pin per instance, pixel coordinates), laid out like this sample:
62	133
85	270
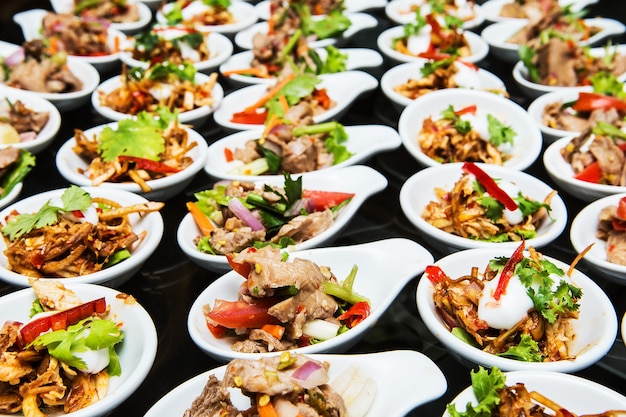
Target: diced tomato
621	209
242	315
62	319
216	330
242	269
591	173
325	199
249	118
228	154
618	225
321	96
435	274
355	314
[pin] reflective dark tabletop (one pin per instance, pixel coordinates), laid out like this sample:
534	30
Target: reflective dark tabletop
168	283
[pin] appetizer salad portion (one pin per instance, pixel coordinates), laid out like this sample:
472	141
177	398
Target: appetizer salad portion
62	359
284	305
466	135
74	235
114	11
236	214
174	44
145	148
200	13
19	123
298	386
519	307
483	208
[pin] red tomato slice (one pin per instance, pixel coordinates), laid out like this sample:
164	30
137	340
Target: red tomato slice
325	199
249	118
591	173
62	319
242	269
242	315
621	209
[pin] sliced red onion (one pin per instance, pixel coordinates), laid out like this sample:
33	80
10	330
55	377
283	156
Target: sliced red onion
310	375
28	136
15	58
305	204
244	214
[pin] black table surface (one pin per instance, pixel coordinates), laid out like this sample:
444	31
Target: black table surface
169	282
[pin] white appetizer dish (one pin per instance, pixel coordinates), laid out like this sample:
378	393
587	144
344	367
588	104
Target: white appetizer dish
195	116
128	28
115	275
356	58
85	72
71	166
361	180
561	172
38	104
533	90
137	352
244	15
527	143
466	77
363	142
583	233
497	35
359	22
478	47
399	260
31	23
538	105
12	196
419	190
351	6
422	380
342	87
574	393
399	11
595	328
492	8
220	50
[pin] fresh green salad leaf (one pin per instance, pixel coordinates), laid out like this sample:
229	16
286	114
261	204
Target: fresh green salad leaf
333	24
486	385
432	66
607	129
527	350
499	134
17	172
336	61
527	56
607	83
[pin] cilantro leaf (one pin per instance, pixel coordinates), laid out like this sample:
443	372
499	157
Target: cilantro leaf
527	350
486	385
529	207
494	207
293	188
141	137
432	66
499	134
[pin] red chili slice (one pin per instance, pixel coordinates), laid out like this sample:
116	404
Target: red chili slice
508	270
490	185
149	165
435	274
591	101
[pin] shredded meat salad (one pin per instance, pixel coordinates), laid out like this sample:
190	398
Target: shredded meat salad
76	236
482	309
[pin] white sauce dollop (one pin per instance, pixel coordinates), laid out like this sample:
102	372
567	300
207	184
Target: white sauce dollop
194	8
419	43
162	91
515	216
96	360
467	77
506	312
90	215
479	124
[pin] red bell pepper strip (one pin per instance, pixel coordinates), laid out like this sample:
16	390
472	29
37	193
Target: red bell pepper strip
149	165
241	314
621	209
62	319
249	117
490	185
466	110
355	314
325	199
508	270
592	101
435	274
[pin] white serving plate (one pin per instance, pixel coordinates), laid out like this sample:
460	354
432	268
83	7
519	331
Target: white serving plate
70	164
34	102
398	260
12	196
527	143
151	224
220	47
129	28
351	6
419	382
534	90
399	12
595	328
361	180
419	190
363	141
575	394
137	351
497	35
538	105
342	87
63	101
583	234
470	78
492	8
31	23
356	58
245	15
195	116
478	47
359	22
560	171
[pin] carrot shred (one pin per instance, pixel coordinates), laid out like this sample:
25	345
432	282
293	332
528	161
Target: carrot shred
267	409
273	121
275	330
203	222
581	255
256	72
283	103
271	93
